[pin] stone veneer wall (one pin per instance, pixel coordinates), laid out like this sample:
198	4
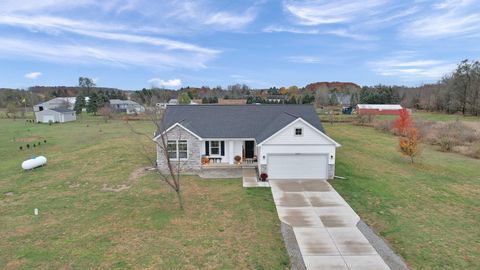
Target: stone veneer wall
193	163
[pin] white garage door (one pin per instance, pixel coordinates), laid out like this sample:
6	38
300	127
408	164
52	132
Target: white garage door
47	118
300	166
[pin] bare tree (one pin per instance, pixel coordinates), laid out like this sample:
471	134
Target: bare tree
106	112
171	173
11	110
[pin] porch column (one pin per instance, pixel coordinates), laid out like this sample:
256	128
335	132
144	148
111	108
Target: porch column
231	154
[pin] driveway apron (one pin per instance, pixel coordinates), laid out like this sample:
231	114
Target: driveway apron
325	226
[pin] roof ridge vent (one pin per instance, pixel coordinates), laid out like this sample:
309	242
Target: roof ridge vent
291	114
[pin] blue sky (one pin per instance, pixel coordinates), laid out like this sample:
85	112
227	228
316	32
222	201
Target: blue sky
131	44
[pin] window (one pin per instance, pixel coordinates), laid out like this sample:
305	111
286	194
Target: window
298	132
214	148
182	150
172	149
177	149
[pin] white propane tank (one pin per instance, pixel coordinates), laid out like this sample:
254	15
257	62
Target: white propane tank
34	163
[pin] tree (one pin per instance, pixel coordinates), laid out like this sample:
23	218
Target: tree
11	110
92	105
106	112
86	83
408	145
80	103
184	98
172	175
403	122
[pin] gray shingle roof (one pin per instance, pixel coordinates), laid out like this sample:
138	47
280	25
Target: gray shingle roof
238	121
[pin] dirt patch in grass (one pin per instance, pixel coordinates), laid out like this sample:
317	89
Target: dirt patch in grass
134	177
29	139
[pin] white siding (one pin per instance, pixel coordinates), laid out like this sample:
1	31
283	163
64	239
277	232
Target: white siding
287	136
288	144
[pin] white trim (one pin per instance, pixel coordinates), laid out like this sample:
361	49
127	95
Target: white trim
180	125
219	149
178	151
306	123
228	139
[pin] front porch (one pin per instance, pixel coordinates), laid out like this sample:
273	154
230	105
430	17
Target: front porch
229	153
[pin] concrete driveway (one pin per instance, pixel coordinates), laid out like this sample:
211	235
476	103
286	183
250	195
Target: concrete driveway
324	226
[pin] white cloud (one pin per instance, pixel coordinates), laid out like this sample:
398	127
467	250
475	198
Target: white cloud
305	59
202	15
85	28
231	21
348	34
453	18
410	67
32	75
172	83
329	12
278	29
84	53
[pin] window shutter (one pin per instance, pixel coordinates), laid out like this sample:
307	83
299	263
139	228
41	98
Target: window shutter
222	148
207	148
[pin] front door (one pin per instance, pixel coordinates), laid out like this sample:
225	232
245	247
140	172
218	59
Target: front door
249	149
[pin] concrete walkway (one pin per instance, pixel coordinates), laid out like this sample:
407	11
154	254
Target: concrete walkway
324	226
250	179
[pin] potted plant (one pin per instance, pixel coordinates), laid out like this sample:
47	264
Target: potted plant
205	160
237	159
263	177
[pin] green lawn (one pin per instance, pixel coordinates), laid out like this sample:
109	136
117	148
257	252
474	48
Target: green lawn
224	225
432	116
428	211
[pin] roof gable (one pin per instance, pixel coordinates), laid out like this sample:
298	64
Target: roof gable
311	135
238	121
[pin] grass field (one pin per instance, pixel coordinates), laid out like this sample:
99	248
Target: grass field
429	211
417	116
80	226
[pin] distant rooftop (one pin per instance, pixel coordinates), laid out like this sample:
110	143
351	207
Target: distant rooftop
380	106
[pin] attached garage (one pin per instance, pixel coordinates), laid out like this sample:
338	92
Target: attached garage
298	151
297	166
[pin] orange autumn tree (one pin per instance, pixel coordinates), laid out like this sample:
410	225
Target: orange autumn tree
403	123
409	144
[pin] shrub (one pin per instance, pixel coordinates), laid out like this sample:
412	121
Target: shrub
21	148
454	134
365	119
409	144
385	126
44	141
28	145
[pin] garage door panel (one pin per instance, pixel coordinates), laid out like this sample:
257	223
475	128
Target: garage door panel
47	118
300	166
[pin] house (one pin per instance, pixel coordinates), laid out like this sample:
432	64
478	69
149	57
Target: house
55	115
379	109
173	101
284	141
126	106
59	102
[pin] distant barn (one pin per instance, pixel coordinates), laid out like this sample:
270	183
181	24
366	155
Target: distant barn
379	109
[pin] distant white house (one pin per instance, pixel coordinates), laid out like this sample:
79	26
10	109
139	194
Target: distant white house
57	110
59	102
126	106
55	115
163	105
